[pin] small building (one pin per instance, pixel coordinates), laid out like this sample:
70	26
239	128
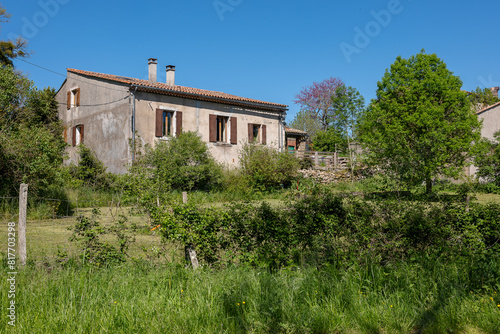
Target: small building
109	112
295	139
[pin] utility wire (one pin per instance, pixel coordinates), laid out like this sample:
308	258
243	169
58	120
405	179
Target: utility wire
99	104
76	79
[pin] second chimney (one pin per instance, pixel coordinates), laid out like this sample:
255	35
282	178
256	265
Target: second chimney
152	69
171	75
494	91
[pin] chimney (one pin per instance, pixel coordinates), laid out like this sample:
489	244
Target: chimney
152	69
171	75
494	91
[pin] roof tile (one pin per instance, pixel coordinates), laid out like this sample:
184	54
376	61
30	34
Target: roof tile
181	90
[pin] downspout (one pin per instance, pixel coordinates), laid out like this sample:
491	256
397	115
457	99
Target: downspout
133	122
282	131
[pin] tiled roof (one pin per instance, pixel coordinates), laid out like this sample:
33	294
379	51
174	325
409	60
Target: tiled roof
182	91
488	107
295	131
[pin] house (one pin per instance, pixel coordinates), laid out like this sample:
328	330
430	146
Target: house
295	139
108	112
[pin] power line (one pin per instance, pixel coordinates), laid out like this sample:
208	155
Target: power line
76	79
99	104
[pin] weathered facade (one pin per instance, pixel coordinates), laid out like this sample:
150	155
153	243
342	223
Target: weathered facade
105	111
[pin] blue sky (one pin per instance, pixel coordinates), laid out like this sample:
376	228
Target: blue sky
267	50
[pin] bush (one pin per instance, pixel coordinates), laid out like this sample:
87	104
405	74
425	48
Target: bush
489	162
181	163
266	168
90	170
320	228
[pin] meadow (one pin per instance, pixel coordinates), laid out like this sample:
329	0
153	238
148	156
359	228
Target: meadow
154	291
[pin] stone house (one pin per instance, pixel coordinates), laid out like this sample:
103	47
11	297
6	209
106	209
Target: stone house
107	112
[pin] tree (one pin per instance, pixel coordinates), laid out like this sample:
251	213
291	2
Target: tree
31	142
11	49
316	100
481	98
421	124
489	162
304	121
329	140
348	107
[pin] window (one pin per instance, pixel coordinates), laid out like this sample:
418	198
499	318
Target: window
223	129
73	98
257	133
78	135
168	123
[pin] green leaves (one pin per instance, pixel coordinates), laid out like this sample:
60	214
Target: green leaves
421	125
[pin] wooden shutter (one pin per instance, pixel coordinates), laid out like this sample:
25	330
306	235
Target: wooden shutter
68	100
234	131
178	123
264	134
81	134
65	134
159	123
77	97
74	136
250	132
212	128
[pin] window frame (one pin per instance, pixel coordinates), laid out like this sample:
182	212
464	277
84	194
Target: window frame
222	129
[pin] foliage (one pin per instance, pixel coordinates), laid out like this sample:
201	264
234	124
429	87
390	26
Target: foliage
421	124
88	231
31	145
321	228
266	168
481	98
305	122
182	163
316	100
330	140
348	106
10	50
489	163
90	170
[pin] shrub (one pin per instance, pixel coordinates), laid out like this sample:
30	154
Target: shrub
489	162
90	170
88	231
181	163
266	168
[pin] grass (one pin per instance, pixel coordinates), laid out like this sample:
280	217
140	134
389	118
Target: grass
140	298
47	239
153	293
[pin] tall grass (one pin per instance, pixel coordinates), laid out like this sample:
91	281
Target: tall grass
140	298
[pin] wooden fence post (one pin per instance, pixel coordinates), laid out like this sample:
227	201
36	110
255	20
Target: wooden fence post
335	160
189	252
23	203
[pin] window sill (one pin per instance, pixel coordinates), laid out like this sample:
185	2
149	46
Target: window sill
221	143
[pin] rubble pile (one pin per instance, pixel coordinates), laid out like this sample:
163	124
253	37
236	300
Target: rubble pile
326	177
